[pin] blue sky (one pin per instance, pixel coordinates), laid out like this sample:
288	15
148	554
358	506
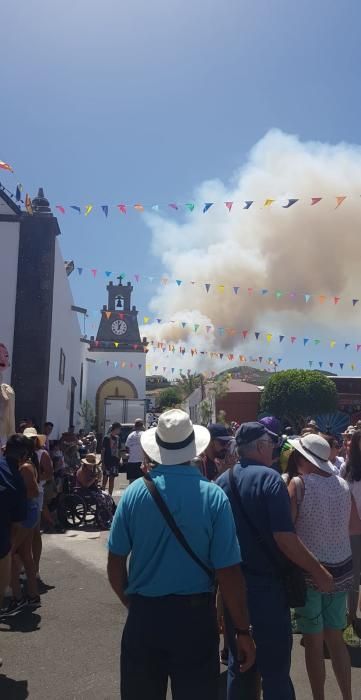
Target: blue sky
134	101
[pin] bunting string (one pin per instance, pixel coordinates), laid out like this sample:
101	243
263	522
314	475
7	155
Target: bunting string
220	287
232	206
238	334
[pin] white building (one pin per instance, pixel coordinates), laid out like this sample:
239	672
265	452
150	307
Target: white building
52	370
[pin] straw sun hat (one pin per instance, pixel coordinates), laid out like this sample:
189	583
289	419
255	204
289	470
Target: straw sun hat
175	440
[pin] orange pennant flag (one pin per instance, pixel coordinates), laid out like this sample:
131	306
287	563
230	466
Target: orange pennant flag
5	166
28	204
322	298
139	207
339	201
108	314
268	202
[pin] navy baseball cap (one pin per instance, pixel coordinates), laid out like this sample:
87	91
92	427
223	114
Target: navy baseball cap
219	432
247	432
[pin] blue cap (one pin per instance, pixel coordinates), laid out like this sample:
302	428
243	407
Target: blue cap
219	432
247	432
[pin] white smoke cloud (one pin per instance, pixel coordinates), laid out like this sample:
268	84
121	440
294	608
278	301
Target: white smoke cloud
303	249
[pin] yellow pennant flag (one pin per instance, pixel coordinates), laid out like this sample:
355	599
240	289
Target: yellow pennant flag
352	366
88	209
146	319
269	337
332	343
268	202
220	288
339	201
116	345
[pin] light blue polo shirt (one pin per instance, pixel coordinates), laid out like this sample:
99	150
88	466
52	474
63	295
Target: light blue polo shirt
158	564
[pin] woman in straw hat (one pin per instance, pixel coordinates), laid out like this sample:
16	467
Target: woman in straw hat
179	530
324	514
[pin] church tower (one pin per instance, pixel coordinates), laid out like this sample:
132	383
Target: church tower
118	328
116	362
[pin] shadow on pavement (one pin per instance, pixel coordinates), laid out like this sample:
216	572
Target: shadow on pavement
13	690
24	621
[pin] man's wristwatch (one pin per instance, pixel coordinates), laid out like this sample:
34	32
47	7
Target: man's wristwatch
247	632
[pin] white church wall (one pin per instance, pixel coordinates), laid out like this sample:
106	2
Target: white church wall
98	372
65	338
9	237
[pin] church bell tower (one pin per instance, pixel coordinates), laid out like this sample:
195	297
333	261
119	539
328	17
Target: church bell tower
118	329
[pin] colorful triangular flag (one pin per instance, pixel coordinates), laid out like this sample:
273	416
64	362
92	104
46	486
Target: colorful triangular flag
60	208
88	209
268	202
315	200
179	282
190	206
235	289
291	202
105	209
207	206
354	302
207	286
75	207
229	205
339	201
248	203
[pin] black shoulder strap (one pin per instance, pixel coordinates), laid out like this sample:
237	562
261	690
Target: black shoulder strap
237	498
168	517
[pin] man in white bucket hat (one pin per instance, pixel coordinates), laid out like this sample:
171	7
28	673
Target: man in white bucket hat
180	532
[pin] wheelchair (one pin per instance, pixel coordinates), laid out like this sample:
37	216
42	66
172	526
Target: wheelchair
78	507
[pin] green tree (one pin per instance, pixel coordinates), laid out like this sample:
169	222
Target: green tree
169	398
87	415
187	383
295	394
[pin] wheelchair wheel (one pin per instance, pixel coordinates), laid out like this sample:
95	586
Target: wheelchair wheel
72	510
103	517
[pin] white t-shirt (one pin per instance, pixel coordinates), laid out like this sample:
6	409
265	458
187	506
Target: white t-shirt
133	444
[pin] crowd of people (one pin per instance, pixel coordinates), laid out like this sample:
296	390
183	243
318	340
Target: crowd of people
269	519
244	530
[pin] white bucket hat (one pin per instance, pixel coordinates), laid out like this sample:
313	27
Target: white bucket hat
175	439
315	449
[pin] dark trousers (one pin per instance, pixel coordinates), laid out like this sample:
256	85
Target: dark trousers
172	637
271	621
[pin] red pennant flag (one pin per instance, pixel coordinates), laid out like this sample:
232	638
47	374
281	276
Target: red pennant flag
250	290
229	205
245	333
315	200
293	338
61	208
358	346
94	272
336	299
122	208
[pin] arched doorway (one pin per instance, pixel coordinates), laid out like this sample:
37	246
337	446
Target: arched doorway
113	388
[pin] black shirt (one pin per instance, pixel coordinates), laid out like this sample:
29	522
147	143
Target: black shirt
12	503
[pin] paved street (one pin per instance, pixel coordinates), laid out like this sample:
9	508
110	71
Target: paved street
69	648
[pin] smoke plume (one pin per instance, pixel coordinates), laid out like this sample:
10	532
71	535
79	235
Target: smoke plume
303	249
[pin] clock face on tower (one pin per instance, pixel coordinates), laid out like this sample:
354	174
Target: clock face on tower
119	327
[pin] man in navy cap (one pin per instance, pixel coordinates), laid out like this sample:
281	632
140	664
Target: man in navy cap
262	512
216	450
